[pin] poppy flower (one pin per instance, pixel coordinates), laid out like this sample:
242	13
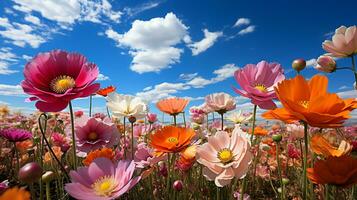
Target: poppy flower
321	146
55	78
171	139
309	101
220	102
172	106
126	105
344	42
15	134
103	152
16	194
259	131
339	171
105	91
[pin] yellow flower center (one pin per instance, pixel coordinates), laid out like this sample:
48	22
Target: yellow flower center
92	136
304	104
104	186
225	155
261	87
172	140
62	83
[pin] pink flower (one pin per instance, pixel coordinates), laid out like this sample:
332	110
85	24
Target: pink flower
61	141
296	131
257	83
102	180
293	152
326	64
344	42
220	102
225	157
55	78
197	114
78	113
151	117
94	133
144	156
15	134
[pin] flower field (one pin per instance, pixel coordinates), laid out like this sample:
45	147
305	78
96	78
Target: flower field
299	148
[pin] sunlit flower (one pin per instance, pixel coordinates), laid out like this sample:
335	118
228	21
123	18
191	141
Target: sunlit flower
197	114
224	157
4	110
322	146
145	156
126	105
257	83
94	133
172	106
55	78
344	42
78	113
99	153
171	139
187	158
295	131
220	102
24	145
239	117
151	117
339	171
258	130
326	64
102	179
310	102
48	156
16	193
61	141
15	134
293	152
105	91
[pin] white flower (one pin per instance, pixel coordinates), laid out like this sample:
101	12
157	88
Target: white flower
126	105
239	117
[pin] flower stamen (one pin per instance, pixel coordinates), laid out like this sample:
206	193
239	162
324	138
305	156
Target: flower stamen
261	87
62	83
104	186
225	155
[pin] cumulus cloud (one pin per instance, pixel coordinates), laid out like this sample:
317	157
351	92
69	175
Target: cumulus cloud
162	90
241	22
11	90
152	43
7	58
32	19
209	39
188	77
247	30
102	77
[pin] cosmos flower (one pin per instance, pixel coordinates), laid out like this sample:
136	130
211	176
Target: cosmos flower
94	133
295	131
151	117
239	117
197	114
322	146
339	171
99	153
172	106
126	106
61	141
220	102
16	193
257	83
309	101
102	180
144	156
326	64
171	139
224	157
15	134
55	78
344	42
187	158
105	91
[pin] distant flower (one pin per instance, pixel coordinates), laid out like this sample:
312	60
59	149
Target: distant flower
4	185
172	106
99	153
151	117
322	146
258	130
224	157
94	133
205	108
15	134
145	156
48	156
339	171
105	91
295	131
293	152
197	114
187	158
171	139
102	180
220	102
344	42
326	64
257	83
24	145
61	141
239	117
16	193
237	195
78	113
126	106
4	110
310	102
55	78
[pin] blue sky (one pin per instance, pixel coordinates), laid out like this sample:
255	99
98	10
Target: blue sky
157	49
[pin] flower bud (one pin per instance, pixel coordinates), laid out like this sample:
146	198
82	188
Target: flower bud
30	172
48	176
326	64
299	64
178	185
132	119
277	137
285	181
151	117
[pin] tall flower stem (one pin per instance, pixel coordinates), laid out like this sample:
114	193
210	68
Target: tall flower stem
222	120
90	105
108	113
243	187
327	196
282	196
305	160
354	67
253	125
132	140
184	119
48	191
17	158
174	119
73	137
168	174
124	137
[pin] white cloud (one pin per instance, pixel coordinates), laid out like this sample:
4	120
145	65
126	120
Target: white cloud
102	77
209	39
26	57
241	22
348	94
11	90
141	8
247	30
147	88
33	19
311	63
343	87
7	58
152	43
162	90
188	77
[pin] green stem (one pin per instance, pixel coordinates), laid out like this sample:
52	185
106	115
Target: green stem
184	119
90	105
243	187
124	138
48	191
73	137
132	141
218	193
305	160
17	158
222	121
108	113
354	67
327	196
174	119
168	174
279	170
253	125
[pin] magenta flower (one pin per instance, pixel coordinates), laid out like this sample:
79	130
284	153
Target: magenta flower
54	78
102	180
151	117
257	83
15	134
197	114
94	133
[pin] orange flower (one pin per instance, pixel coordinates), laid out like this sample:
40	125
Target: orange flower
171	139
15	193
341	171
259	131
105	91
321	146
310	102
24	145
172	106
48	157
104	152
